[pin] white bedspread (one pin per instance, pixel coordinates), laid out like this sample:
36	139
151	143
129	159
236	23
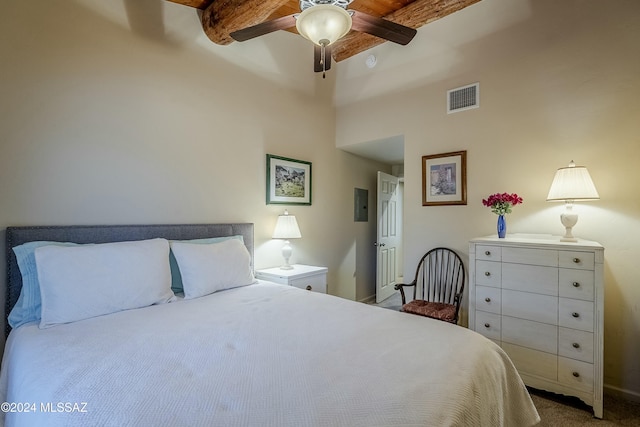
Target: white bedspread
260	355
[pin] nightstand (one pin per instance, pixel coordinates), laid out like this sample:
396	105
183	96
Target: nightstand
306	277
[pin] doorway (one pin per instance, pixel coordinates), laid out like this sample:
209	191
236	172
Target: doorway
389	151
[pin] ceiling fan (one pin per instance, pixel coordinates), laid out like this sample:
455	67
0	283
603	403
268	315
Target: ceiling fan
325	21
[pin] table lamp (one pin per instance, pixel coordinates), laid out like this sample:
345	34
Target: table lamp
286	228
571	184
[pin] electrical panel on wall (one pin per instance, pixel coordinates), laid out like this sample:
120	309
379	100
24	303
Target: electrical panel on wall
360	202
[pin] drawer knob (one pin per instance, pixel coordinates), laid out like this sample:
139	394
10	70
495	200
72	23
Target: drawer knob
487	299
308	287
575	314
487	325
576	260
486	273
576	374
576	345
576	284
487	253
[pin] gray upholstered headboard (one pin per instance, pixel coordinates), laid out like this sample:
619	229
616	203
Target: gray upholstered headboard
109	233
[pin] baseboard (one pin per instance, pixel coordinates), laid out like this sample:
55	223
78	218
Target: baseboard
622	393
368	300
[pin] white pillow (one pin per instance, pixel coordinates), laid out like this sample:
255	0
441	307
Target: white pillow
79	282
208	268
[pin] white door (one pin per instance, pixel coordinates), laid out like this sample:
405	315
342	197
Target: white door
387	236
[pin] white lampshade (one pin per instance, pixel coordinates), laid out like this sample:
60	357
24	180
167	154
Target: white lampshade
323	24
286	228
571	184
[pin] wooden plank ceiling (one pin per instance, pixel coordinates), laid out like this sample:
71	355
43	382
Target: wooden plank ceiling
221	17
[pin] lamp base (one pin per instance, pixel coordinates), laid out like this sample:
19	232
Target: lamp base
569	219
287	250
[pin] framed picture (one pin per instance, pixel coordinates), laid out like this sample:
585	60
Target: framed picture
444	179
288	181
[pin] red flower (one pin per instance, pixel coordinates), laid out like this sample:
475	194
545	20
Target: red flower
501	203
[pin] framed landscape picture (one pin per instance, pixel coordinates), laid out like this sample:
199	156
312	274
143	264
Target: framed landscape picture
444	179
288	181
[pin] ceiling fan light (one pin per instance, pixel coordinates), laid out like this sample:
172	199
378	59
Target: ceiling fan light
323	22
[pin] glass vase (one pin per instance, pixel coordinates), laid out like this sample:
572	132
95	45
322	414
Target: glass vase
502	227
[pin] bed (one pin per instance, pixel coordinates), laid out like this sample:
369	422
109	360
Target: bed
246	354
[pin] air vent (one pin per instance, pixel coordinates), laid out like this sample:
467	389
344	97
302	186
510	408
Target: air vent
463	98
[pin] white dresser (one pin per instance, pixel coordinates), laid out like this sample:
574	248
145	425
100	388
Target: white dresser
541	300
307	277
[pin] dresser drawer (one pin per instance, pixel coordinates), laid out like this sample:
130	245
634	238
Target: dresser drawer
488	299
525	305
576	284
575	314
575	344
545	257
533	362
488	273
526	333
576	259
317	283
488	324
575	374
488	253
530	278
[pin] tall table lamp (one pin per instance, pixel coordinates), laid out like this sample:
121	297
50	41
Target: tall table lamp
286	228
571	184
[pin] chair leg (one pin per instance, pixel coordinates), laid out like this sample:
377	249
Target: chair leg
402	295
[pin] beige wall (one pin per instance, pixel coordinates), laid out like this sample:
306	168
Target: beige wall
561	83
103	125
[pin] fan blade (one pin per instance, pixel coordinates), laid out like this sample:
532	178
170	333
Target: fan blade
263	28
382	28
317	58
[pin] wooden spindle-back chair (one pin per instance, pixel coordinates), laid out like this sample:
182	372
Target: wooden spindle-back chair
440	278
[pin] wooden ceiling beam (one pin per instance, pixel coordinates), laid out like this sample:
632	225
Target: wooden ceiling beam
226	16
414	15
